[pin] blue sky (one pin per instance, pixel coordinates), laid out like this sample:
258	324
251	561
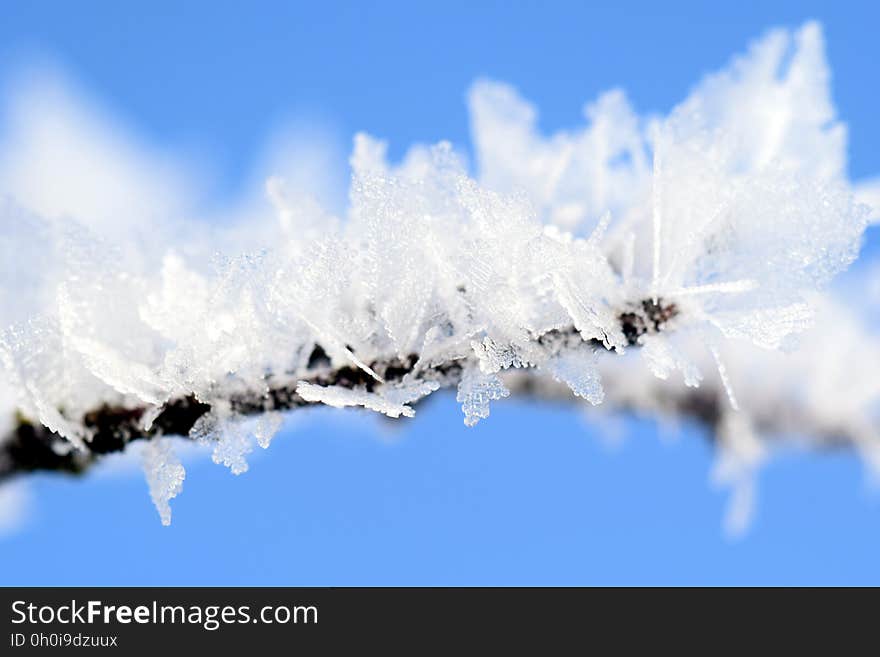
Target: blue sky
531	496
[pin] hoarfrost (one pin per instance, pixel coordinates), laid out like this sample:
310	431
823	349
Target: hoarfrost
475	391
229	436
265	428
663	358
340	397
577	369
703	237
165	475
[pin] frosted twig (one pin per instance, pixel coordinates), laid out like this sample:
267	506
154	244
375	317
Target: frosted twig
34	447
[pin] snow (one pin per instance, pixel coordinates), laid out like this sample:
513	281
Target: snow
731	214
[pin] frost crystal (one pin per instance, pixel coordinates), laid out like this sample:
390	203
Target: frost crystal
475	391
341	397
165	475
265	428
230	438
701	240
663	358
577	369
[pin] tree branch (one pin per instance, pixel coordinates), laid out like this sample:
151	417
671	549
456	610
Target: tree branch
32	447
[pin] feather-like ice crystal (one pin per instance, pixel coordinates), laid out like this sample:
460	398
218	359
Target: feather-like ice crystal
692	238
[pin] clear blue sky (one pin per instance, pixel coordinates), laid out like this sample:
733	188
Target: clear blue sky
531	496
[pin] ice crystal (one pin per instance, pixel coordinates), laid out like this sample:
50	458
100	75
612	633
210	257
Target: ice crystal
341	397
701	240
475	391
663	358
577	369
265	428
165	475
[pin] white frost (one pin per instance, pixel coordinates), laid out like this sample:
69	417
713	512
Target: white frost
733	210
475	390
578	370
165	475
341	397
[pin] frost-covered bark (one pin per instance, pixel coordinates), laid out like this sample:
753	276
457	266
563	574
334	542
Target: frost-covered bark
657	265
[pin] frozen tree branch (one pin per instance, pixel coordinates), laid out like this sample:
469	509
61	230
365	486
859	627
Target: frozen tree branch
32	447
657	265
